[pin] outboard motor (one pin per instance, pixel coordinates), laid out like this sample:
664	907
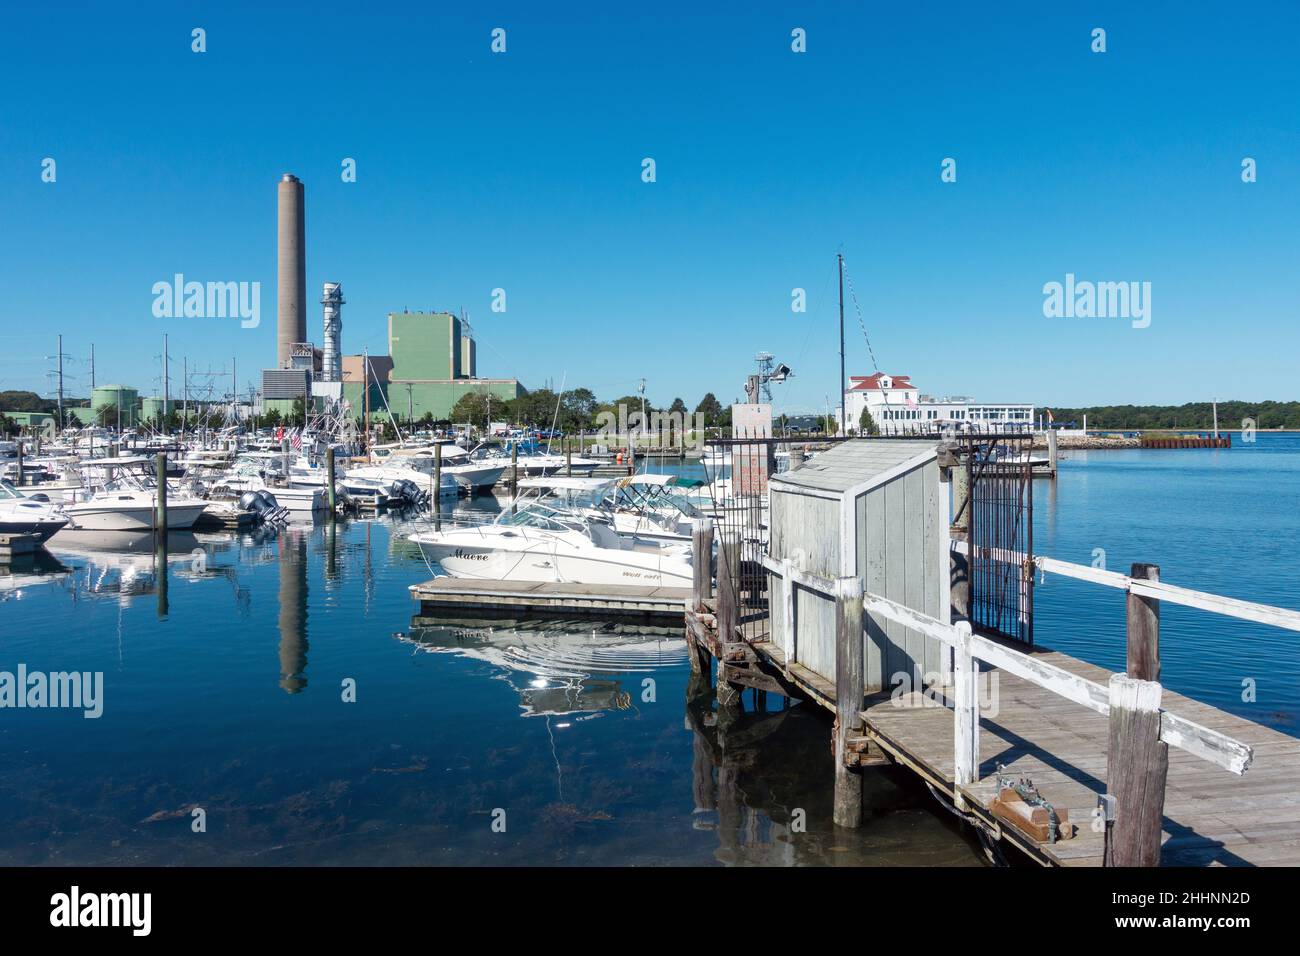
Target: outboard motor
256	502
341	496
413	492
277	513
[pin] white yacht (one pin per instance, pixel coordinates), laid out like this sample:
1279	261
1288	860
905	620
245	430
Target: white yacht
20	514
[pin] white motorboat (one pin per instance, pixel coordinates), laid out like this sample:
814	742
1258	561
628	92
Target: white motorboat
119	495
20	514
541	543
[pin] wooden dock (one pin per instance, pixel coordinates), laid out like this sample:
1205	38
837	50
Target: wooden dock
538	600
1136	775
1210	817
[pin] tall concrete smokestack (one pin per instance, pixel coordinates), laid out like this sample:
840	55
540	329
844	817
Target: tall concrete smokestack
332	354
291	276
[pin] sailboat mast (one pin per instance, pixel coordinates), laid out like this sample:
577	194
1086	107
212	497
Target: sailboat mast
844	426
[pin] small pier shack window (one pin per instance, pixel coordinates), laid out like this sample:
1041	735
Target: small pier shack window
874	509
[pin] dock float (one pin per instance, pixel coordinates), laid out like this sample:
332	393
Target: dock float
16	545
542	600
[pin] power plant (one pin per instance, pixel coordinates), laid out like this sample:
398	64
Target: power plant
432	359
291	274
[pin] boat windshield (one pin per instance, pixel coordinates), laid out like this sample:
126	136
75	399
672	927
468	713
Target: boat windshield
8	491
539	515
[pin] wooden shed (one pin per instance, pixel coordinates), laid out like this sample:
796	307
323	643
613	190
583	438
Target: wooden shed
874	509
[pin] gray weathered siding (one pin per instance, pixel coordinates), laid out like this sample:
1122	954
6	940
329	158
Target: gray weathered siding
897	530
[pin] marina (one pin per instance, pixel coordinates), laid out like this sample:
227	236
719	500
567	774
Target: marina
574	652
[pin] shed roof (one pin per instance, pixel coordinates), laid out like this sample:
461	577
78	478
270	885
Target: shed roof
851	463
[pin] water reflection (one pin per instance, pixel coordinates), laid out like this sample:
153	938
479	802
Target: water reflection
292	543
616	762
759	779
563	669
22	572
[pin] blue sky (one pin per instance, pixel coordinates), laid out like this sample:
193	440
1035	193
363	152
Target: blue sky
522	171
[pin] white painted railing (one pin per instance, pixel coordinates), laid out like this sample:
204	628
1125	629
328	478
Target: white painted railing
1160	590
969	649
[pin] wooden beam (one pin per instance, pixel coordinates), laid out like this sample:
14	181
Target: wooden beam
1137	762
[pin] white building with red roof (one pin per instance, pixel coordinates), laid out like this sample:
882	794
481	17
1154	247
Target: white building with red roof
898	406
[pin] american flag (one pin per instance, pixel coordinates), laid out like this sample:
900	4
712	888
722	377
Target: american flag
296	440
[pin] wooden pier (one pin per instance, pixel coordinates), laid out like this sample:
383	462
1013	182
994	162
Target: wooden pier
538	600
1191	785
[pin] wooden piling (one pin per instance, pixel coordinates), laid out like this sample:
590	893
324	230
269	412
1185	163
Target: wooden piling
160	475
568	459
1137	762
18	475
1143	613
1051	450
728	693
848	699
701	562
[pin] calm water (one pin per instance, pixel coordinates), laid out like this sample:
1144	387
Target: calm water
224	686
224	691
1220	520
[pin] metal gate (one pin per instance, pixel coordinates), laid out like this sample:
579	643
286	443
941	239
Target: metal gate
1001	528
740	528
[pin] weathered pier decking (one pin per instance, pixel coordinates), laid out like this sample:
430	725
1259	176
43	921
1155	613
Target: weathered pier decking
549	600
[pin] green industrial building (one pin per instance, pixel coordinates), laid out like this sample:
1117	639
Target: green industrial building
115	398
431	364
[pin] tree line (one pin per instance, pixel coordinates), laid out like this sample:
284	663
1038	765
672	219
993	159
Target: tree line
1197	415
577	410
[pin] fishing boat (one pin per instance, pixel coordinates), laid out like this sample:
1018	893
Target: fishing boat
120	495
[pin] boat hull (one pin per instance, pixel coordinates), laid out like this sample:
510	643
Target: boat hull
92	516
605	567
40	528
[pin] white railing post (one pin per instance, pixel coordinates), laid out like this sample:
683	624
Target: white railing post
966	715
